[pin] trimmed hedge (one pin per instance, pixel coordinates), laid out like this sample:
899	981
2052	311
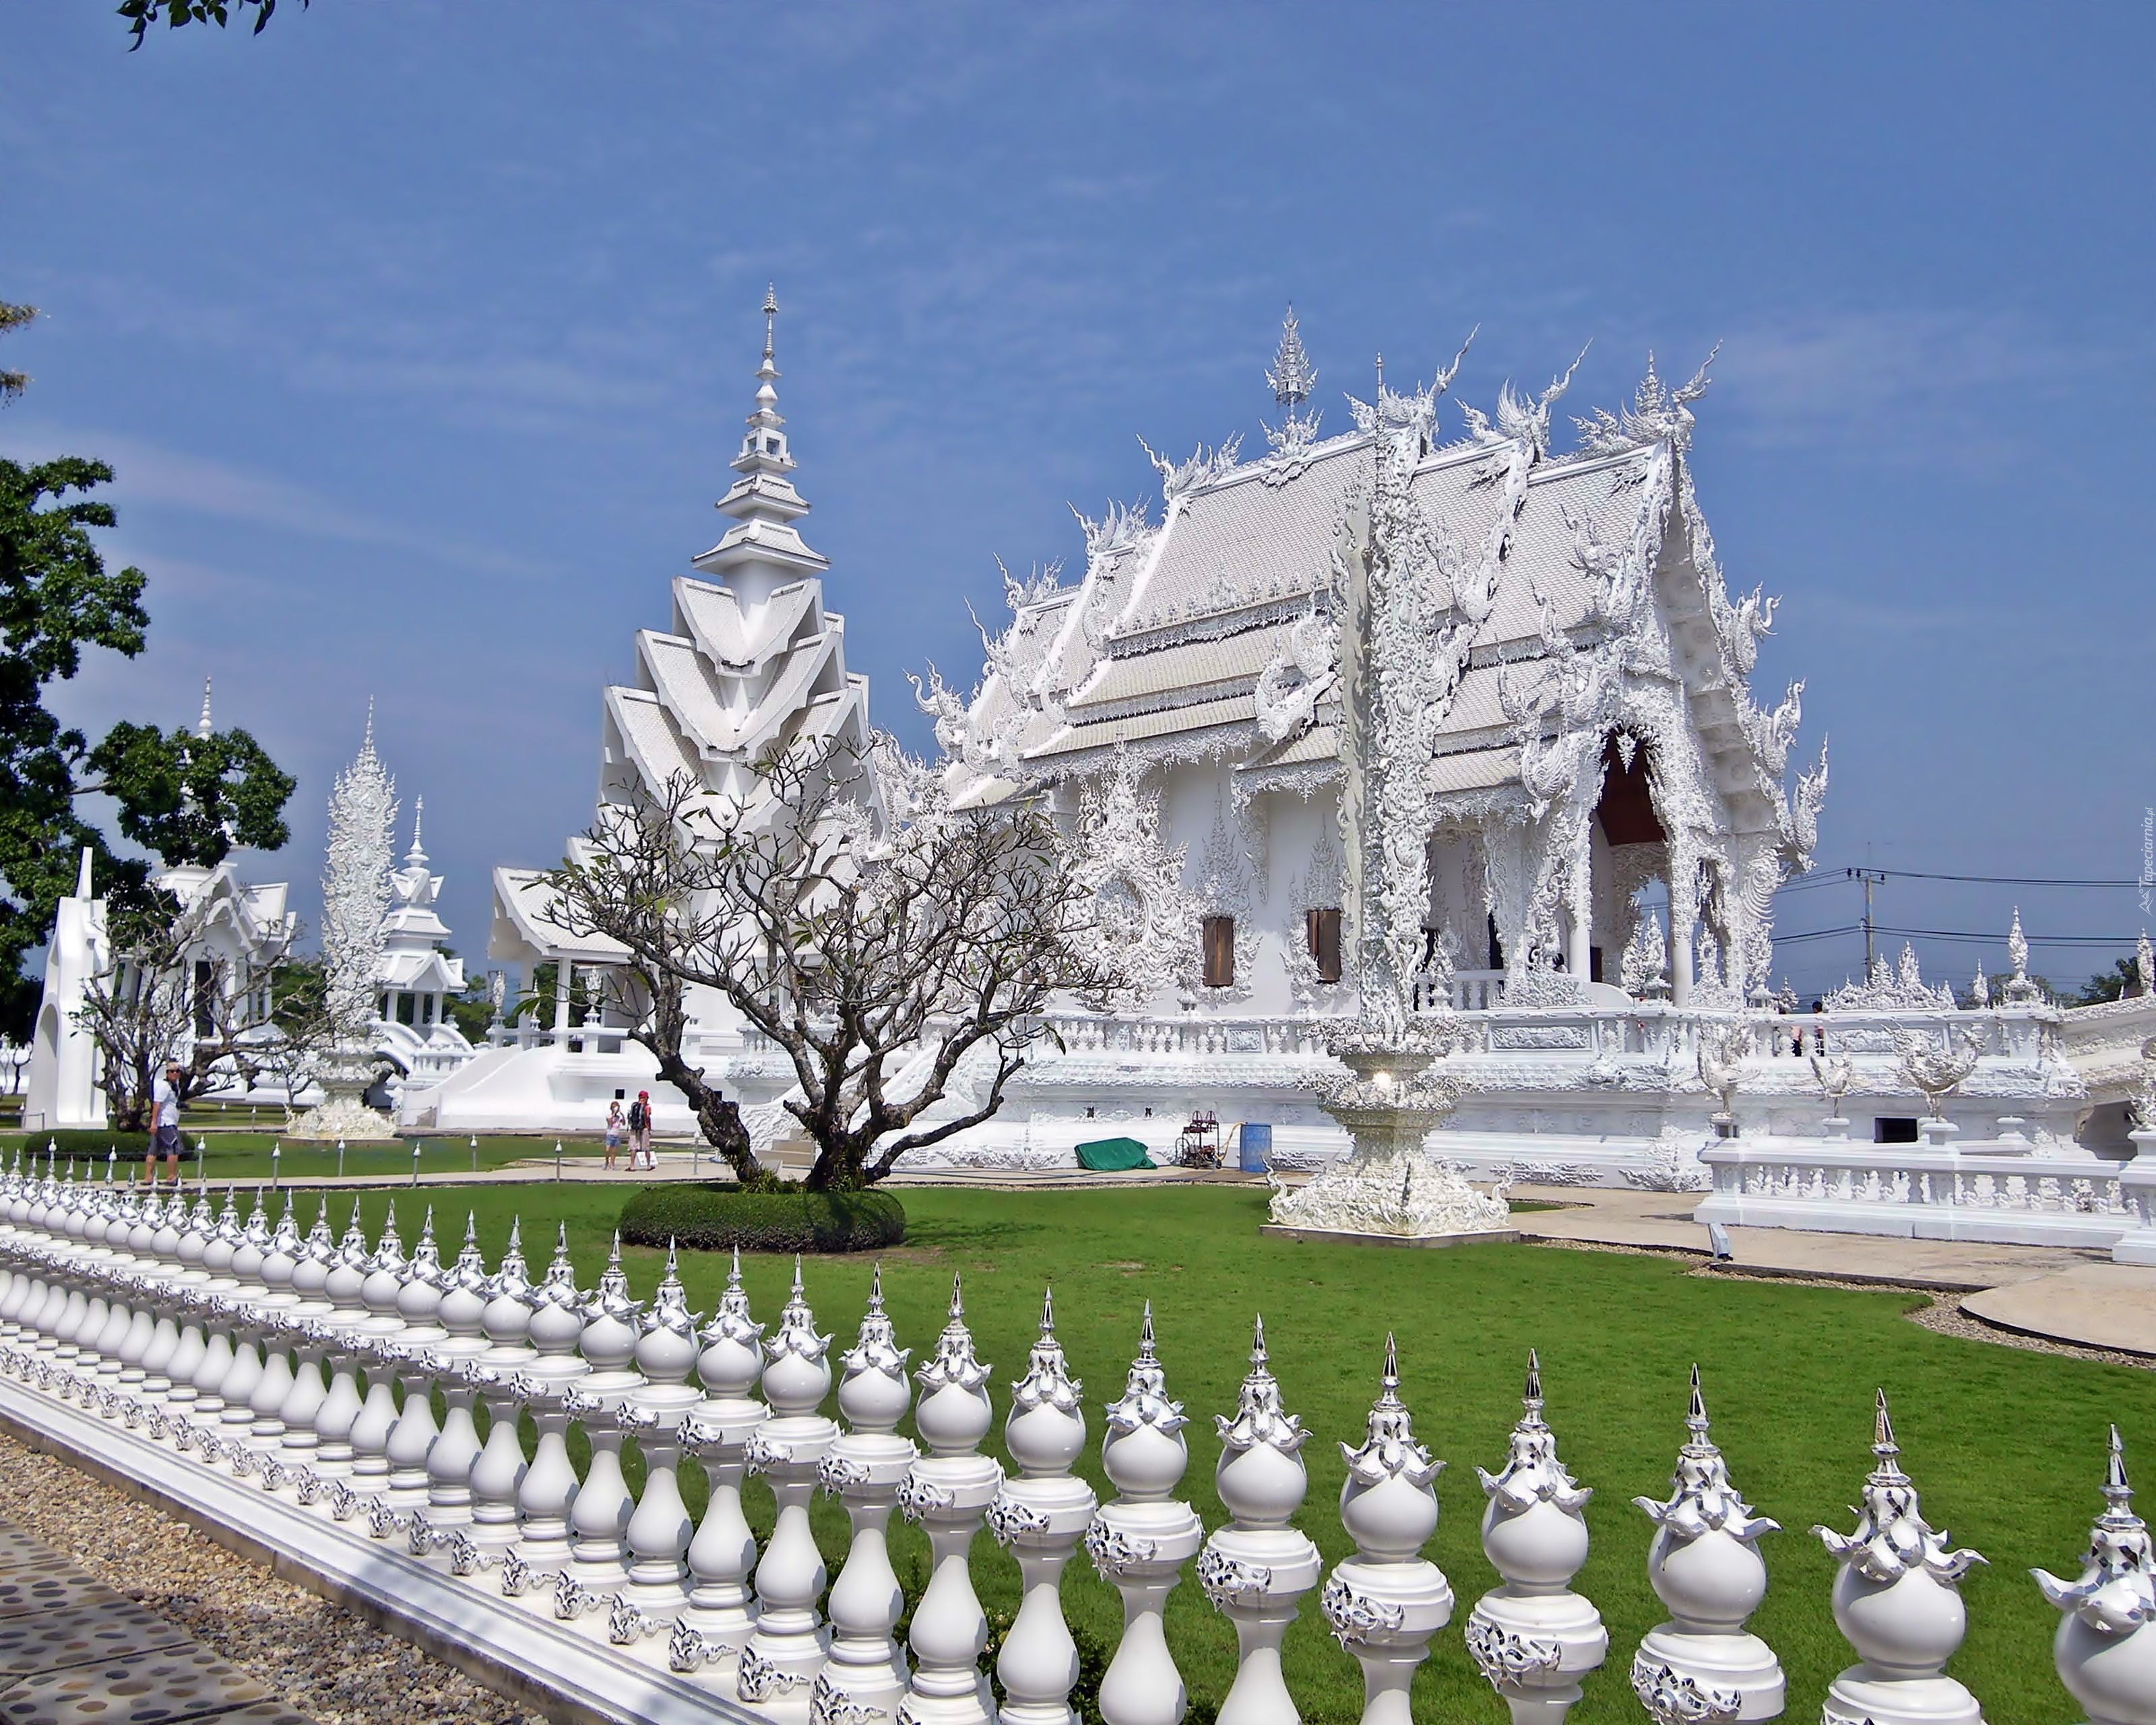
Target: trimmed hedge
715	1217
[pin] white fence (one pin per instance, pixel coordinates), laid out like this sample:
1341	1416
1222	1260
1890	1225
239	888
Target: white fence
249	1370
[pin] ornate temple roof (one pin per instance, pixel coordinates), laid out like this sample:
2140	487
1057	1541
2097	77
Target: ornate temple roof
1214	634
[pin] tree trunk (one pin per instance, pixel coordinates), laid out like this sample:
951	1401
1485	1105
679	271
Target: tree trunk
717	1118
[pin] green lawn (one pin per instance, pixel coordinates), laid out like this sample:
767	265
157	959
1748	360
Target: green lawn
2007	1445
246	1156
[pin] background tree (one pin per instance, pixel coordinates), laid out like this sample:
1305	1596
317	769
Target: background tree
2117	984
140	14
879	953
190	799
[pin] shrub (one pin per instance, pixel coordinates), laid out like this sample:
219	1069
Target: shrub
715	1216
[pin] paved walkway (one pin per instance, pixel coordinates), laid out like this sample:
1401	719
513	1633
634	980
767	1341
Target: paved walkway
2061	1293
75	1652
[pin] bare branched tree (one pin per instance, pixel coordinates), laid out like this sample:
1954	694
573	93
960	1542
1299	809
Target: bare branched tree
168	1000
878	948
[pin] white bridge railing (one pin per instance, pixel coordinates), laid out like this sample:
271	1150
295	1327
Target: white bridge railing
183	1342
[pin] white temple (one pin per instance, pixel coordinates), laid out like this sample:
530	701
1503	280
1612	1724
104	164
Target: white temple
750	660
1465	717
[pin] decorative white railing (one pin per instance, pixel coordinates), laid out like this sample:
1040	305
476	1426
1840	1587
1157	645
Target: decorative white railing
1195	1034
1987	1192
179	1339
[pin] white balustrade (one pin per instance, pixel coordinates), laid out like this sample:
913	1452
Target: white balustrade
1140	1541
1387	1601
1257	1568
1040	1517
2106	1646
721	1614
1704	1564
1897	1602
948	1493
777	1669
866	1675
124	1306
1533	1637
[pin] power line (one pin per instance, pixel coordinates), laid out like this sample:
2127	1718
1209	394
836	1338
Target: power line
1991	938
1820	877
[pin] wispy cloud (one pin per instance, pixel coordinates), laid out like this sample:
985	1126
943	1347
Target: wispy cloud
1937	387
202	485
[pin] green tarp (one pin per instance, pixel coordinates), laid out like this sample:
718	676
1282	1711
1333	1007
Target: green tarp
1111	1155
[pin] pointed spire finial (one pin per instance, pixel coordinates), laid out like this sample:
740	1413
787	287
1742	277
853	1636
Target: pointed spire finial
2117	1493
1048	1309
958	1297
202	726
876	1288
1292	377
1531	1397
1145	1333
1390	1377
1882	1433
1696	1415
1258	1354
417	855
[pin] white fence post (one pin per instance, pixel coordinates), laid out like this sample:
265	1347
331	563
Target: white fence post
786	1650
1256	1569
947	1493
1040	1517
1896	1601
1533	1637
1705	1566
721	1614
866	1675
1387	1601
1140	1541
2106	1647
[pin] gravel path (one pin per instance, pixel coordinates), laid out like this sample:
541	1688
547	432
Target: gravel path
319	1657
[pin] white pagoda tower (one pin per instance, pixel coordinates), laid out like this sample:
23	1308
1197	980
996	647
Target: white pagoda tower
750	661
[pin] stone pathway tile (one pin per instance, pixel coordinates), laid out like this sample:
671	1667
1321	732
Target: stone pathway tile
73	1651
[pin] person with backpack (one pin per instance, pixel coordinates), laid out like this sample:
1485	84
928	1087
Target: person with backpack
639	1130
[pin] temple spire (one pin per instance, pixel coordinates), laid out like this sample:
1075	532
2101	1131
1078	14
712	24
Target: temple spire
202	726
416	856
1292	377
763	548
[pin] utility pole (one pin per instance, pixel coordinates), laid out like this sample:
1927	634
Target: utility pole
1870	878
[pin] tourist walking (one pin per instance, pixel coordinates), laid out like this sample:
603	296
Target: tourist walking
164	1126
614	1123
639	1130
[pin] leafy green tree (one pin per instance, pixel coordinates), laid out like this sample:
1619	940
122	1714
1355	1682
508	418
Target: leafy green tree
140	14
186	798
2121	980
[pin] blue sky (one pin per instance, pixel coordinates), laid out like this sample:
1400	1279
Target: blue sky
420	334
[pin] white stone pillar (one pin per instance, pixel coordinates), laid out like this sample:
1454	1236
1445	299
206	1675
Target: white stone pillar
2106	1647
867	1674
1897	1601
1533	1637
1705	1566
777	1669
948	1493
659	1532
1256	1569
599	1520
721	1610
1040	1517
545	1495
1140	1540
1387	1601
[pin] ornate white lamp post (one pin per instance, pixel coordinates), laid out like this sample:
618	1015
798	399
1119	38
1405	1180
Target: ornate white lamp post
866	1467
1896	1601
1704	1563
948	1493
1533	1637
2106	1647
1040	1516
1140	1541
1387	1601
1257	1568
778	1668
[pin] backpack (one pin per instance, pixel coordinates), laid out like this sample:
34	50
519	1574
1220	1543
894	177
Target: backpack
636	1116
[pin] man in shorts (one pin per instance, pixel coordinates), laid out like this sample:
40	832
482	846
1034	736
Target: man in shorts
164	1126
639	1130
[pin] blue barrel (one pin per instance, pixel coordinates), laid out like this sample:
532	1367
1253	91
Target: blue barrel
1257	1143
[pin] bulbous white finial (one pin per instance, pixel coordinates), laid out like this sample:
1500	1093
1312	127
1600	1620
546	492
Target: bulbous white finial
875	1394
